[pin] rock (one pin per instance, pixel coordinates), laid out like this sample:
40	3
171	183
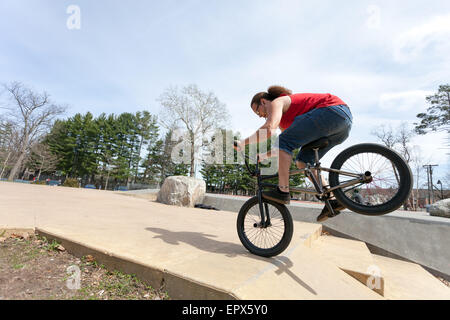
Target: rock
440	208
182	191
2	239
60	248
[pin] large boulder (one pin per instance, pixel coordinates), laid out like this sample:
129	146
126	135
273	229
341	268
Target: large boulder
182	191
440	208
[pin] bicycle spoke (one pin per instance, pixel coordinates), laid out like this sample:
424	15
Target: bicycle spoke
385	178
264	237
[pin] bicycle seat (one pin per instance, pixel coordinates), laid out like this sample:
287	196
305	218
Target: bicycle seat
318	144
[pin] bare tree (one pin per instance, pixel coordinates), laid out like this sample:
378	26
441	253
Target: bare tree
398	140
196	112
416	162
446	181
403	138
32	114
386	135
9	140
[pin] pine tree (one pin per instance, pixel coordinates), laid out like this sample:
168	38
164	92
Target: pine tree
437	117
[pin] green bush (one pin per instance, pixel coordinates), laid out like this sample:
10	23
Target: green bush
71	182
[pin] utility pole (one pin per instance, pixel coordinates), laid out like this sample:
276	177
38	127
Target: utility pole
430	182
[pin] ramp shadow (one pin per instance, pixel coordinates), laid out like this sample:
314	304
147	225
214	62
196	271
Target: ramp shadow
205	242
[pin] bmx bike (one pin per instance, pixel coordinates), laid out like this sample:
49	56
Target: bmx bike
384	180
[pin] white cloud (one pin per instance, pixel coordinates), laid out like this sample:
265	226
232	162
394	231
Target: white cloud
403	101
434	34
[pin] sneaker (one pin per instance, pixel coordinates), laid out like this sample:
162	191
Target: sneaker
277	196
325	214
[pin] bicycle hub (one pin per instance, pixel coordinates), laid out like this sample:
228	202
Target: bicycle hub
368	177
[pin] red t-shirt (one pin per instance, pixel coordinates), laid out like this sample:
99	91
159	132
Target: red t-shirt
303	102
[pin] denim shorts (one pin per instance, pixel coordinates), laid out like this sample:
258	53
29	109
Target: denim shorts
332	122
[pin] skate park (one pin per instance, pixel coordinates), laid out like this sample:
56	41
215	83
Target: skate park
196	254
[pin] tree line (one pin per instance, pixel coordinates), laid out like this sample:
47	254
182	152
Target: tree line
122	149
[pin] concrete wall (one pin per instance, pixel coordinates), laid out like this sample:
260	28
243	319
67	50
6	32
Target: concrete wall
416	237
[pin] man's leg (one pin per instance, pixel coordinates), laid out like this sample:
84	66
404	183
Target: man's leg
281	195
284	163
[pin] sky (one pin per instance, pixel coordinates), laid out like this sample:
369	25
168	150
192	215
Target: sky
381	57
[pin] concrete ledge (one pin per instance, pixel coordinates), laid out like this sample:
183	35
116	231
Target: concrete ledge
409	281
415	237
177	287
351	256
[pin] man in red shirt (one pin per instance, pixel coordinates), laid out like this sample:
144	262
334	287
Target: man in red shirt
302	118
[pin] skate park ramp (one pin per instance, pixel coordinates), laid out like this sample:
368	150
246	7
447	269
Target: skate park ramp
196	254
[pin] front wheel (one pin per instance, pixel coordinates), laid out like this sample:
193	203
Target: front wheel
264	241
390	184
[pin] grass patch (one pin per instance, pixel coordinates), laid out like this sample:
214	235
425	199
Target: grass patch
36	269
116	285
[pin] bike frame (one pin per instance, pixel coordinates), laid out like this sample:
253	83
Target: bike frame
317	182
321	192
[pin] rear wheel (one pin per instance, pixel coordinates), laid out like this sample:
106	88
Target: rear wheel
264	241
390	184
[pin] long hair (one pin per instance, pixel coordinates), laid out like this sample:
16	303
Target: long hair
272	93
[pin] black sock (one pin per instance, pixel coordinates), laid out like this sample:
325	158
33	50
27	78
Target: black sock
279	190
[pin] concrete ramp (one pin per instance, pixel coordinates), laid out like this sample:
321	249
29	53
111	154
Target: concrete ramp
353	257
409	281
301	274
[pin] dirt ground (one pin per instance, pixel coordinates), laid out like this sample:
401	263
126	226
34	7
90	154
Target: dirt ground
31	268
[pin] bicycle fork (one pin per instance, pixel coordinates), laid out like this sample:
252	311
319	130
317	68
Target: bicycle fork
263	209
